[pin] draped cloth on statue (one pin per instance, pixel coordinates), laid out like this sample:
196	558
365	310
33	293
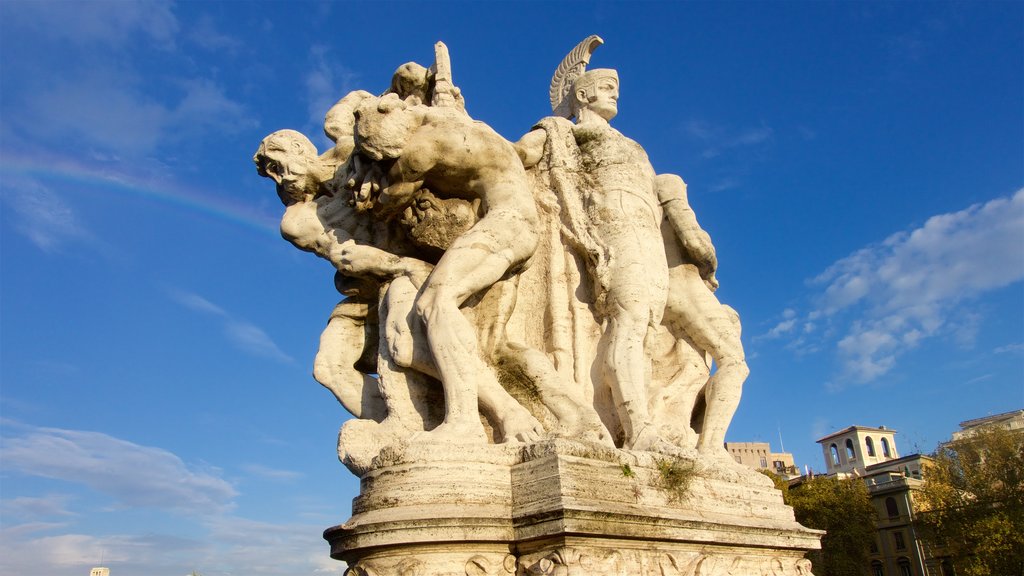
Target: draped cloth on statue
553	330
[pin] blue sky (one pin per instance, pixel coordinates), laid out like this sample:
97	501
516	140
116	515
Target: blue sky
860	167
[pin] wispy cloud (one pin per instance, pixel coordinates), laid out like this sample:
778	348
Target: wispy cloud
271	473
35	508
131	474
886	298
41	215
719	139
326	82
104	23
43	534
1015	348
205	34
242	333
99	94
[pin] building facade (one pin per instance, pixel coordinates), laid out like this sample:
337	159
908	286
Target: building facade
758	455
857	447
870	454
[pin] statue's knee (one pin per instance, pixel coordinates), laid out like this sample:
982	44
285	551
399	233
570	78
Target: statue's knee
400	349
321	369
424	306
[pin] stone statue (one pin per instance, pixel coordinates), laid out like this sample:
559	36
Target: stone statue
444	219
528	339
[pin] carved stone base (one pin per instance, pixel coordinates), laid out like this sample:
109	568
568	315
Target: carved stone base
565	508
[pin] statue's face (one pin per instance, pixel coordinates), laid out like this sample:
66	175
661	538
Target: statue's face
603	98
291	172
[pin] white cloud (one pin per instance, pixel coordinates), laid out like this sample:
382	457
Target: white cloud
243	334
195	302
131	474
887	298
202	536
107	107
271	473
1015	348
41	215
719	139
204	33
326	83
97	23
34	508
90	84
67	554
228	545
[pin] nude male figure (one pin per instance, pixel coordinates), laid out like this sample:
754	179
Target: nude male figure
328	226
444	151
712	326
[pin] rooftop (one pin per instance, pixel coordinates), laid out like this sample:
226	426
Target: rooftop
853	428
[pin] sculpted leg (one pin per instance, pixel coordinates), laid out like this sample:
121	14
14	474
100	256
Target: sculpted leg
469	265
715	328
407	341
625	361
341	347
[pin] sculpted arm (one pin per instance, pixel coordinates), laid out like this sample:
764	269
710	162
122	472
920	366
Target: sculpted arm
303	226
695	241
531	147
408	173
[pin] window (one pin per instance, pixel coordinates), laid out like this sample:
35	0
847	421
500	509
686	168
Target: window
885	448
894	512
871	446
835	455
874	546
947	568
904	565
764	462
779	465
851	454
900	543
876	569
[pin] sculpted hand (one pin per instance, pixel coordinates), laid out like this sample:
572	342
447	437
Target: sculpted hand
698	245
363	178
358	260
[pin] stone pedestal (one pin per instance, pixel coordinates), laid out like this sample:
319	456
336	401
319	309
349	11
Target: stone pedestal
565	508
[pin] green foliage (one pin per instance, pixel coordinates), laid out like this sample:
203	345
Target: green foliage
971	506
780	483
676	477
627	471
842	508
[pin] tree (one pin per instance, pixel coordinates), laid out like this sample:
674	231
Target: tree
971	506
843	509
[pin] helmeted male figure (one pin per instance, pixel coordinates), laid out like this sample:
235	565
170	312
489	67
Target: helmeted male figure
622	204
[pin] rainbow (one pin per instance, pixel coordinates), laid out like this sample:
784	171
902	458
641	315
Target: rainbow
219	205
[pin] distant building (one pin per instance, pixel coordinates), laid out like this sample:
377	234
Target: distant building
758	455
870	454
1012	421
99	572
857	447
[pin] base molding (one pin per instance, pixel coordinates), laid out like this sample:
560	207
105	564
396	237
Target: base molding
565	508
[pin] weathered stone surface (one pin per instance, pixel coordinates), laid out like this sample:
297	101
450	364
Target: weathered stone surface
616	510
529	339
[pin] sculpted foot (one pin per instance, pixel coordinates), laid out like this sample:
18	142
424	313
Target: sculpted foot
521	426
587	429
454	433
